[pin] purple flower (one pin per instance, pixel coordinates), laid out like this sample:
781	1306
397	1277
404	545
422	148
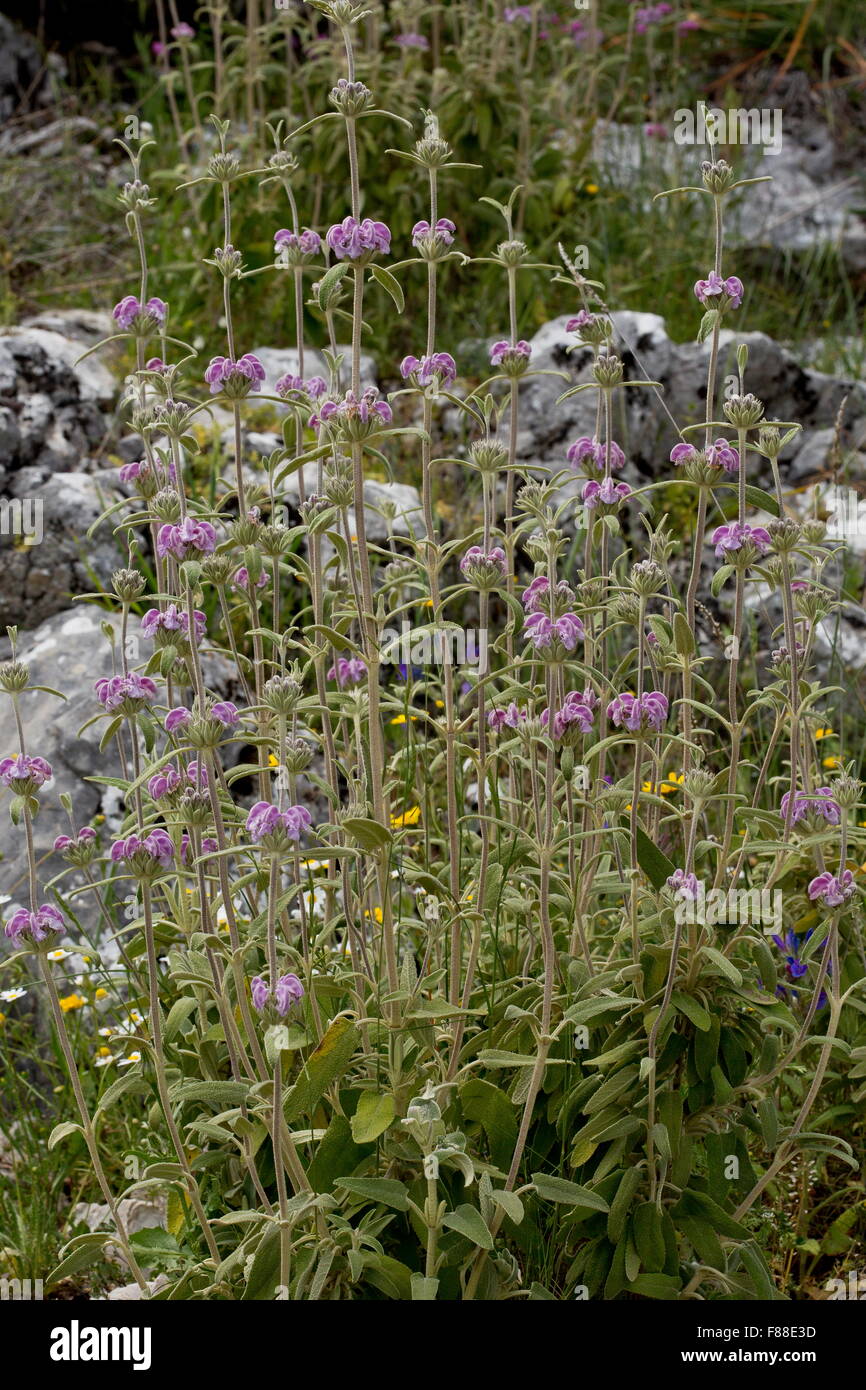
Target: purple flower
177	719
438	366
685	885
133	691
241	579
34	926
588	453
358	416
607	493
305	243
351	240
412	41
721	454
130	315
164	782
733	537
648	15
509	718
443	232
347	671
484	569
573	718
820	802
225	713
535	595
289	991
714	287
511	356
542	630
234	378
172	619
179	540
649	712
512	13
582	319
22	769
183	31
260	993
265	818
146	853
208	846
831	891
63	842
151	476
314	386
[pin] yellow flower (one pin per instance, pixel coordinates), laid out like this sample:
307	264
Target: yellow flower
401	719
591	188
101	993
673	781
72	1001
273	760
824	733
376	913
831	762
2	1019
103	1052
410	817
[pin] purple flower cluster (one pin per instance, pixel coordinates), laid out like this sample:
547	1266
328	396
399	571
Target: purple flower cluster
607	493
314	386
484	567
130	315
131	690
685	885
33	926
586	453
714	288
234	378
169	780
265	818
832	891
438	366
735	535
510	356
142	470
353	411
351	240
535	595
721	454
638	714
443	232
305	243
573	717
86	835
648	15
347	670
156	847
509	718
820	802
186	538
542	631
412	41
173	619
24	771
288	991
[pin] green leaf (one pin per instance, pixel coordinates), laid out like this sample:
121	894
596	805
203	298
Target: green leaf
324	1066
722	964
389	283
491	1108
468	1221
369	834
385	1190
329	285
693	1011
265	1268
63	1131
684	639
552	1189
657	867
424	1290
337	1153
372	1117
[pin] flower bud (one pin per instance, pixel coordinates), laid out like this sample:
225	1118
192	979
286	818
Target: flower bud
743	411
717	175
14	677
128	584
607	370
